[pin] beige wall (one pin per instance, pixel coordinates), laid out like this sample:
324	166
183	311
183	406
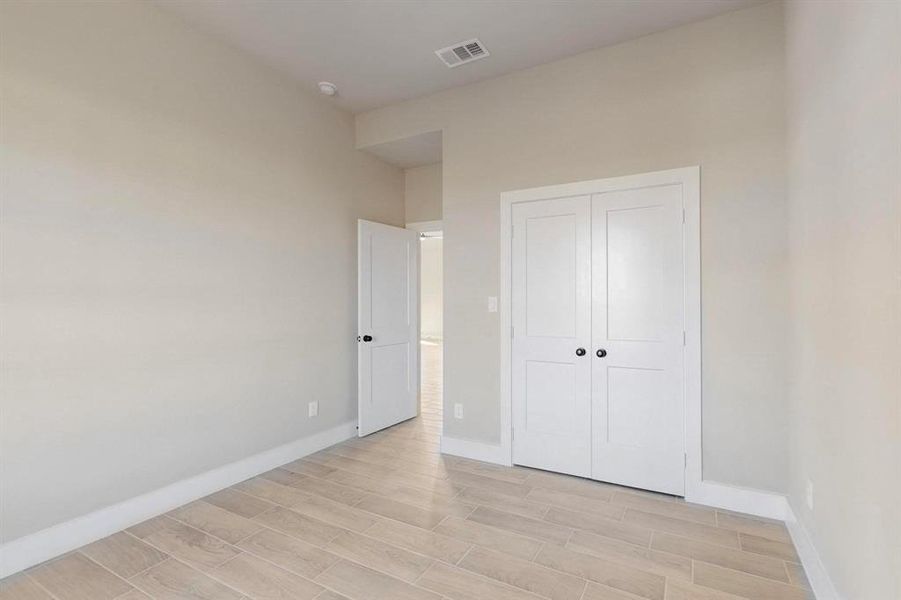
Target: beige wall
844	141
178	256
708	94
422	193
431	287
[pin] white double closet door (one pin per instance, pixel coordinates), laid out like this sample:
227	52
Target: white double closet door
598	336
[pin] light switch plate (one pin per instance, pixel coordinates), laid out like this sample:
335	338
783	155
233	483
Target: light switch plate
492	303
458	411
313	409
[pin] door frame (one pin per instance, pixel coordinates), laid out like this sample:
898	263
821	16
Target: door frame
690	179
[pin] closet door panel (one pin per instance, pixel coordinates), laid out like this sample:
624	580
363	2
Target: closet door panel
637	307
551	382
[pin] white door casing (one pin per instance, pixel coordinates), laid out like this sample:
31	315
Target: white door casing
551	322
637	320
648	343
388	325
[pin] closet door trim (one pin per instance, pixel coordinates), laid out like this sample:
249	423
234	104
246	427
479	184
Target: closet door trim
689	179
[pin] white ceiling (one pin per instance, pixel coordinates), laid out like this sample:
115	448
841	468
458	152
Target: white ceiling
382	51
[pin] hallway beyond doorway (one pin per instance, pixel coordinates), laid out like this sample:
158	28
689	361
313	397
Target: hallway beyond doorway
431	402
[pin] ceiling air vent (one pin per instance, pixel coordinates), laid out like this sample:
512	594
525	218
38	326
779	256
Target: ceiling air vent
462	53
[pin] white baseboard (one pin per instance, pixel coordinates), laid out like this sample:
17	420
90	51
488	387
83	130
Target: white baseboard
773	506
36	548
820	581
746	500
492	453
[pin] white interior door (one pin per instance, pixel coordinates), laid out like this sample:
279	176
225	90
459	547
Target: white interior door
388	325
551	371
637	317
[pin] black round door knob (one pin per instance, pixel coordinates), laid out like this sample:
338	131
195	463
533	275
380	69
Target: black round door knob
580	352
367	338
601	353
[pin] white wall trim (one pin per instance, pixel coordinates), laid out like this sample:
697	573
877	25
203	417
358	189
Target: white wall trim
25	552
690	179
492	453
422	226
751	501
822	585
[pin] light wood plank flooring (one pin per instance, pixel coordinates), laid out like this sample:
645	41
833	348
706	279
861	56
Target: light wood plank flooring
387	517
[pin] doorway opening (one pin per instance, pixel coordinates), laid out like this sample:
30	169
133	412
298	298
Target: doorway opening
421	369
431	330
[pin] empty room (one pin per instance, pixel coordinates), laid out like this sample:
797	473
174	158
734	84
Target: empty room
450	300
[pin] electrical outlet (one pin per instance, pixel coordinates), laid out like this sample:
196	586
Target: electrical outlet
808	492
313	409
492	303
458	411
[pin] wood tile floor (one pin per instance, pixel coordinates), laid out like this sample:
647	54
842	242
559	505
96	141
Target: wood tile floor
388	518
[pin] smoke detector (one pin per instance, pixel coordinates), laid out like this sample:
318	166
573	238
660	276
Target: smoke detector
462	53
328	88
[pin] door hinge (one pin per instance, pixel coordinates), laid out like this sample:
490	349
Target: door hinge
683	216
512	330
685	457
684	338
